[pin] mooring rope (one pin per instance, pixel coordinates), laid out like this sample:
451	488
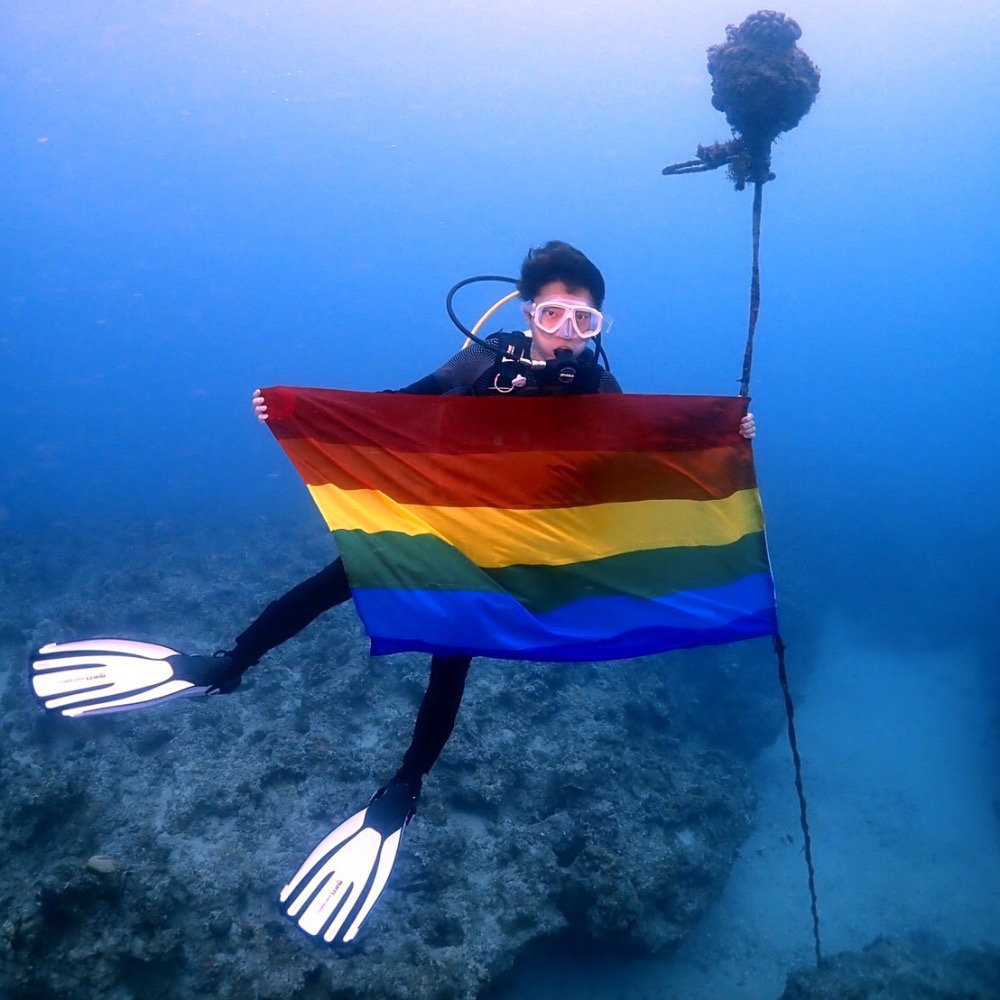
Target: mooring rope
758	198
779	645
764	84
779	649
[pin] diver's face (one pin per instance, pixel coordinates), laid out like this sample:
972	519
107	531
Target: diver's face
544	345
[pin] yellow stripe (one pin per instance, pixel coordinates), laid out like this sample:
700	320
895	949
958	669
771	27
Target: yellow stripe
494	537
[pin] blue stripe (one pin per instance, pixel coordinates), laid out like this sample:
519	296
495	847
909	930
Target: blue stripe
602	628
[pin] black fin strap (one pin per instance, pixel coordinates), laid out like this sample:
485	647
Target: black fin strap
779	649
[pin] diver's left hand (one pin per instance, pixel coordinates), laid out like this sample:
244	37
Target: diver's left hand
748	427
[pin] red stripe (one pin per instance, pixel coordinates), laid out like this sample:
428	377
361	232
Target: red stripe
530	480
461	425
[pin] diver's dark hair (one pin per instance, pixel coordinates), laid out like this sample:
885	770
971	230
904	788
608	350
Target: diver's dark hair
558	261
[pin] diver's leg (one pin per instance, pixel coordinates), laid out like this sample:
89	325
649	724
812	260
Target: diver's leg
290	614
435	718
140	674
332	893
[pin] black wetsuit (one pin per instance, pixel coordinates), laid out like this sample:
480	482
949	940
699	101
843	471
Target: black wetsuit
477	371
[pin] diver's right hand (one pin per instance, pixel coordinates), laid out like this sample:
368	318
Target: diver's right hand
259	406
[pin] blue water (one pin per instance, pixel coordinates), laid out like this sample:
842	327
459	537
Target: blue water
200	198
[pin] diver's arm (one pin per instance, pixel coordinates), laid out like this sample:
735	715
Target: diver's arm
608	383
458	372
427	386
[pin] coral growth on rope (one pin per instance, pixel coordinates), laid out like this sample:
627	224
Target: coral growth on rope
764	84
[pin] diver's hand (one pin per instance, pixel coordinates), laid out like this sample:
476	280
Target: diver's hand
748	427
260	407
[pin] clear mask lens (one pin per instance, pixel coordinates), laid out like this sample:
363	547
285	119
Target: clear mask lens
552	317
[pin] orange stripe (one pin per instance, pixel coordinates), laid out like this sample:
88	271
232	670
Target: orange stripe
527	480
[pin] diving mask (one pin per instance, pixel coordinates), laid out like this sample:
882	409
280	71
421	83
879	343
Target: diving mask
552	316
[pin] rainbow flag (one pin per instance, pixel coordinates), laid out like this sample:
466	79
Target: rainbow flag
556	529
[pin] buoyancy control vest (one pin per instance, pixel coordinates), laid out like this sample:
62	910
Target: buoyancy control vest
563	375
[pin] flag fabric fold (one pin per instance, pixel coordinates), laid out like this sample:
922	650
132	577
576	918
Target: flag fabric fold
546	528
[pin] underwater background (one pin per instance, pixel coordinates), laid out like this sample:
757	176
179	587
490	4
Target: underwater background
201	198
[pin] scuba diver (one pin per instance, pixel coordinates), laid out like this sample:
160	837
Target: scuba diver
334	890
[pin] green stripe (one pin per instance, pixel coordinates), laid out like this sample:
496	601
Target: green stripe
396	561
